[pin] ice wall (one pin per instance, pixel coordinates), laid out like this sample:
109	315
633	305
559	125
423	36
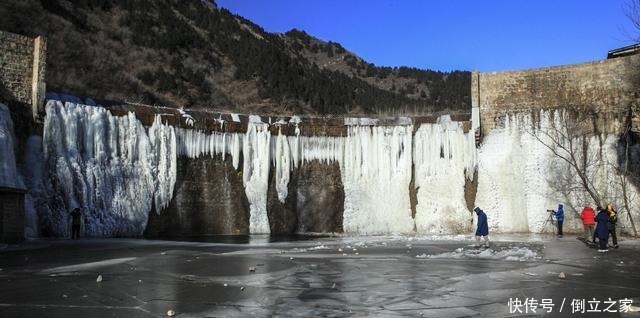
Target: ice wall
9	176
255	174
376	172
36	201
117	170
519	178
109	166
444	157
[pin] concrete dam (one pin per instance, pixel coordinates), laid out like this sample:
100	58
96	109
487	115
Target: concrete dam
147	171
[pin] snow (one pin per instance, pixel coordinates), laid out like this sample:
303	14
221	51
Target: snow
350	121
189	120
9	176
520	254
108	166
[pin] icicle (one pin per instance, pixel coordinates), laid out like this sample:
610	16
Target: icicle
107	165
283	166
255	152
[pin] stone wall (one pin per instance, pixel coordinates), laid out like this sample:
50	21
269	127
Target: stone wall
608	87
22	70
208	199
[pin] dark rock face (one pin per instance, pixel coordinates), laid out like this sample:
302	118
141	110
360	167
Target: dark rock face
283	217
319	197
315	203
208	199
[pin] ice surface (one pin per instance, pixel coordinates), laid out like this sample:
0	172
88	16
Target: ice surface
9	176
108	166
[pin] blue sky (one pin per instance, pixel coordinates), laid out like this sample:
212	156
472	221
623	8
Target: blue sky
489	35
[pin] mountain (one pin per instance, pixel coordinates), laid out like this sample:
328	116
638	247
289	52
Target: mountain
190	53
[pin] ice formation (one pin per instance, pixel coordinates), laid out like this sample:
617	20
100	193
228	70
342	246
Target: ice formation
444	157
9	176
375	164
376	172
108	166
519	178
118	170
255	174
36	203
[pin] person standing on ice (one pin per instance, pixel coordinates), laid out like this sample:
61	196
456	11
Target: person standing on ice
559	215
588	217
483	227
75	223
613	219
602	229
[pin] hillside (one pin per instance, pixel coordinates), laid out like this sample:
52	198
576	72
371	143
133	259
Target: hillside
194	54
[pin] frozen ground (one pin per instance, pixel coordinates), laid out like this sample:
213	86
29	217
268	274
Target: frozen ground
426	276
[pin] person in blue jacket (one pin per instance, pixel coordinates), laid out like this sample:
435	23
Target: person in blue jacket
559	215
483	227
602	229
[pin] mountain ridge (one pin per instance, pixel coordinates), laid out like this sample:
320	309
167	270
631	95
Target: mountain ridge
195	54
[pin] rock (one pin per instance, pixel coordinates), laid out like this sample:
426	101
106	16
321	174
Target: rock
242	288
252	269
357	253
225	285
291	258
163	253
340	250
562	275
171	313
334	285
99	279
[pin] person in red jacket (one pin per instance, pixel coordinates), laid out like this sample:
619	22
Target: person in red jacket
588	216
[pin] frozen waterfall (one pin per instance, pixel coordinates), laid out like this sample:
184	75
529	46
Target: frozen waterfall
9	176
117	170
109	166
519	178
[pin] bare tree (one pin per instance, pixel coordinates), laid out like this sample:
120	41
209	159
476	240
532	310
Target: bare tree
625	174
567	137
584	171
632	11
